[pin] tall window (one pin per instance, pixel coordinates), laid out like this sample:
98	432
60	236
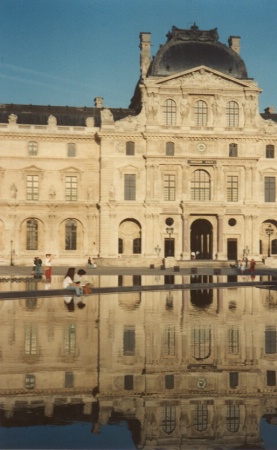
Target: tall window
270	340
233	379
30	340
169	112
233	340
169	149
32	187
232	114
69	345
32	148
129	341
169	419
271	378
129	187
201	343
232	418
120	245
232	188
137	245
200	186
32	235
269	189
71	150
201	113
130	148
71	188
169	187
71	235
269	151
200	417
169	341
233	150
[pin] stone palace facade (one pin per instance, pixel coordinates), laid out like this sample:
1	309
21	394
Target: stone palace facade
189	166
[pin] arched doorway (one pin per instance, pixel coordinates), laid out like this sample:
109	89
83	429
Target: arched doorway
129	237
201	238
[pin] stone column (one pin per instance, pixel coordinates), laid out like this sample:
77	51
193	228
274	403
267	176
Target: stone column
219	235
185	237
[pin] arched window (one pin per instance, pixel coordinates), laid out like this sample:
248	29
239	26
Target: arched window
200	186
71	235
32	235
169	419
130	148
269	151
32	148
233	150
71	150
201	343
232	418
201	113
200	417
169	149
169	112
232	114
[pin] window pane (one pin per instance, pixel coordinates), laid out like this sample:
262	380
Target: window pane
71	235
130	148
32	235
270	151
71	150
269	189
232	188
32	187
169	341
232	114
270	340
129	341
169	187
32	148
232	418
130	187
71	188
271	377
169	149
169	419
169	112
201	113
200	418
233	150
200	186
128	382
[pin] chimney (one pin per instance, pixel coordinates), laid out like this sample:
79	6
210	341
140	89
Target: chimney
234	43
98	102
145	54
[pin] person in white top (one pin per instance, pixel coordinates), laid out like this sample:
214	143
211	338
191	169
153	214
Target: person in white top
70	284
48	267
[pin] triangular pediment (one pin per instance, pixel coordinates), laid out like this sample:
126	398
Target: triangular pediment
205	76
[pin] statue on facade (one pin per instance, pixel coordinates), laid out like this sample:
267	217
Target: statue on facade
184	107
13	190
52	193
52	121
90	121
12	119
151	106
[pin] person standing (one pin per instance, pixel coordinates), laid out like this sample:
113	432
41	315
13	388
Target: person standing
252	266
48	267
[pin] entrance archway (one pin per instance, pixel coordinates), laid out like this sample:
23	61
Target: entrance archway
129	237
201	238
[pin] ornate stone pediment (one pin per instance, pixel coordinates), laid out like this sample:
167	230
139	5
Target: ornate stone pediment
204	76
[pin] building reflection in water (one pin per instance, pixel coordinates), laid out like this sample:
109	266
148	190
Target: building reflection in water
184	368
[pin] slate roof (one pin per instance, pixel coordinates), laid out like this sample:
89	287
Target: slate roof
65	115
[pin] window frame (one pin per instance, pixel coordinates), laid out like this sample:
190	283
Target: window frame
32	187
269	189
169	112
232	114
201	113
129	186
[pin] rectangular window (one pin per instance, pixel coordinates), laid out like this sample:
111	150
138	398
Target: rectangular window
169	381
69	379
29	381
269	189
169	187
70	188
69	345
129	341
233	379
130	187
71	150
232	188
128	382
32	187
168	348
271	377
270	340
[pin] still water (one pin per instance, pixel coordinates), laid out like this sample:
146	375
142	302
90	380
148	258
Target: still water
140	370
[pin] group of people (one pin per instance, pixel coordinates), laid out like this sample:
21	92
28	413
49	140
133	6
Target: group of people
76	283
242	265
37	270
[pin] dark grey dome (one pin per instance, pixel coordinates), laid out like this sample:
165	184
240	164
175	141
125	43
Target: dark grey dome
186	49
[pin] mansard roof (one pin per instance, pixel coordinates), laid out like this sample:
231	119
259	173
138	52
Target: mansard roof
186	49
65	115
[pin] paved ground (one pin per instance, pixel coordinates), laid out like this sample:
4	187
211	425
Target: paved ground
209	268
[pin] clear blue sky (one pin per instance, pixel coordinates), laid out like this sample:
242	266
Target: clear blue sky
67	52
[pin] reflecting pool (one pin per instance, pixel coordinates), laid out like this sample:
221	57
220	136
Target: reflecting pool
173	369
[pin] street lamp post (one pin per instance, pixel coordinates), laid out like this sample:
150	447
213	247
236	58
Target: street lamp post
169	231
11	263
269	230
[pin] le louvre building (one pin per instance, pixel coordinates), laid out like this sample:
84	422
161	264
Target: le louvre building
189	166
